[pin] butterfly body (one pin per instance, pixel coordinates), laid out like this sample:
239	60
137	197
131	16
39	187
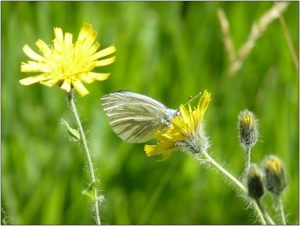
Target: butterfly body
135	117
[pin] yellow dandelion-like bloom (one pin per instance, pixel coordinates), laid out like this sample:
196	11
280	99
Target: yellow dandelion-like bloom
186	131
66	63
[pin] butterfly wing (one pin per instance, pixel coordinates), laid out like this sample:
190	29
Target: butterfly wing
135	117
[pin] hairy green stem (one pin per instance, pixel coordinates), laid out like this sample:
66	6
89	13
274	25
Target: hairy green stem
222	170
248	157
238	184
280	207
266	216
86	152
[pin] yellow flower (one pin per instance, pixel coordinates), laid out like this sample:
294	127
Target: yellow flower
186	131
66	63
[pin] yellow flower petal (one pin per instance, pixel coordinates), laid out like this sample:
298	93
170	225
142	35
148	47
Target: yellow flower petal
166	155
84	31
89	39
68	39
68	63
104	52
92	50
50	82
43	48
31	66
87	79
163	137
158	149
33	79
58	34
30	53
66	85
149	149
162	148
80	88
105	62
99	76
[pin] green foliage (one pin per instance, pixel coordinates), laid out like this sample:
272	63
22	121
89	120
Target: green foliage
168	51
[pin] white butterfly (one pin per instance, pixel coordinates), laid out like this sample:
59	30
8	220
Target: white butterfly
135	117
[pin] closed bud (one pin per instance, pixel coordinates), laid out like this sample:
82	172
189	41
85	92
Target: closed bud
254	182
274	175
248	132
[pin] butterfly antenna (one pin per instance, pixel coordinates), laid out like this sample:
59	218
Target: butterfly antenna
192	98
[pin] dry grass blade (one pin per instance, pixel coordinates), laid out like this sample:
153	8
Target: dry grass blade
256	31
289	41
226	35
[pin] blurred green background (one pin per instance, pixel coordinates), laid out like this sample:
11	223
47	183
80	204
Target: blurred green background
168	51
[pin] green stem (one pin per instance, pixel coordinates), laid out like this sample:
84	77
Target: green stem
86	151
280	207
248	157
222	170
235	182
266	216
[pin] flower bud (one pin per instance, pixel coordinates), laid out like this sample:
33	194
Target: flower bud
274	175
254	182
248	132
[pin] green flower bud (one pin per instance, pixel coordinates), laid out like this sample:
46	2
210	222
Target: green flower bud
254	182
248	132
274	175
